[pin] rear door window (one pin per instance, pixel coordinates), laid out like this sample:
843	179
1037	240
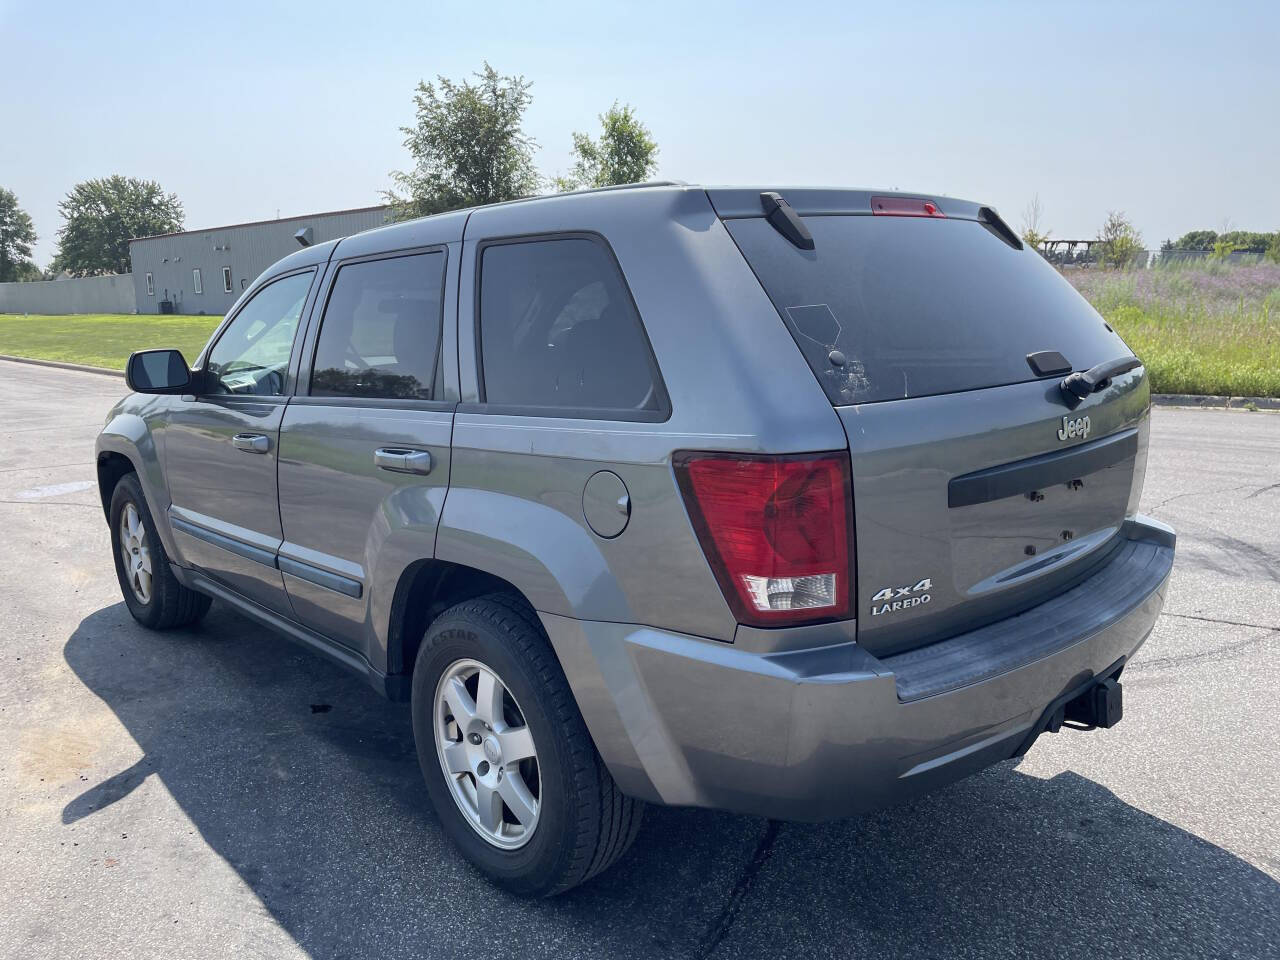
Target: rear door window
381	330
918	306
558	330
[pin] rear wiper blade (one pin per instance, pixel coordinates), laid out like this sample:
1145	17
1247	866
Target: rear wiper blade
1078	386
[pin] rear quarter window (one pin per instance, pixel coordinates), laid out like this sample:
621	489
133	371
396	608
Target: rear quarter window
558	330
919	306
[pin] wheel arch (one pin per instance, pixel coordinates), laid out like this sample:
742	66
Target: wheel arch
126	446
426	589
112	468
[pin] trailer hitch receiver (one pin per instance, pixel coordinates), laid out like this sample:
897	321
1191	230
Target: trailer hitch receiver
1102	705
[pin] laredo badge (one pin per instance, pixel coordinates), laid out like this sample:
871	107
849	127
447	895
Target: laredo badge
893	599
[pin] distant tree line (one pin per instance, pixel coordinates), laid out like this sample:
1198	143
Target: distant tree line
1227	242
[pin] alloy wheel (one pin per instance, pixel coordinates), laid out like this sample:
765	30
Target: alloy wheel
135	552
487	754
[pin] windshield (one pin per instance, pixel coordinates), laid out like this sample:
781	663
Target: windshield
916	306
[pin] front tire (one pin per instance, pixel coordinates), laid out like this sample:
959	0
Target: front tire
509	765
151	592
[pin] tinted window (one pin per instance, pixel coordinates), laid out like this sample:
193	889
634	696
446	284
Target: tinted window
557	329
919	306
252	355
381	330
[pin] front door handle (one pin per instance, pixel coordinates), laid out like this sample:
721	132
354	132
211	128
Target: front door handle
251	442
403	460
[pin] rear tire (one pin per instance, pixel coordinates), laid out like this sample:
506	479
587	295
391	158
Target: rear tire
582	823
151	592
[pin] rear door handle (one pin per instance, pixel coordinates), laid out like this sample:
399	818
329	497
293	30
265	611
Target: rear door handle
251	442
403	460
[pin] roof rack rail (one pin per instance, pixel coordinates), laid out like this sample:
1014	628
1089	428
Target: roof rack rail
568	193
617	186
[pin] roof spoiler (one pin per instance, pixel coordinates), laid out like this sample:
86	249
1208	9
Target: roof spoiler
785	220
988	217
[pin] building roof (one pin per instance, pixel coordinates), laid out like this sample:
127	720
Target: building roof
259	223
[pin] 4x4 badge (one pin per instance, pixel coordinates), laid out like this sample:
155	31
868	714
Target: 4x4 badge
893	599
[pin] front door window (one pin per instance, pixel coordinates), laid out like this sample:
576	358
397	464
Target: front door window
252	355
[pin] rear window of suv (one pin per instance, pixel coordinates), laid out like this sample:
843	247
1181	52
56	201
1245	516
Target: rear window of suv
919	306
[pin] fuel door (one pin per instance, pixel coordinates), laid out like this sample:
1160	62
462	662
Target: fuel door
606	504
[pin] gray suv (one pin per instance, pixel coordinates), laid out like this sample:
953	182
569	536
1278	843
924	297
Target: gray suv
786	502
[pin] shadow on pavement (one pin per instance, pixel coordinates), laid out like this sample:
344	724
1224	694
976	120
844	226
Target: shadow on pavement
323	814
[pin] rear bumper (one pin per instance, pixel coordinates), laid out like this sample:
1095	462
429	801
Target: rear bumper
831	731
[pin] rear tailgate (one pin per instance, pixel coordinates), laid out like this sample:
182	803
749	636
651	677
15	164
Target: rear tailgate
961	504
978	492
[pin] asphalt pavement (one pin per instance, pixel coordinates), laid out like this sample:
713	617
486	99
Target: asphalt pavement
218	792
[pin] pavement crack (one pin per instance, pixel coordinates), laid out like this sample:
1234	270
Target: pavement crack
1231	623
1198	493
1161	663
1270	486
720	929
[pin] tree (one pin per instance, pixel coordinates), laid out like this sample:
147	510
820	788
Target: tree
1246	241
1223	249
1230	241
625	153
1032	235
30	271
467	145
1119	241
17	234
103	215
1197	240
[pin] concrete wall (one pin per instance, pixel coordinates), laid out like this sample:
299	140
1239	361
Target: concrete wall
245	249
110	294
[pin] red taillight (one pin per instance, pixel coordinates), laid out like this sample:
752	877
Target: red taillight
905	207
777	532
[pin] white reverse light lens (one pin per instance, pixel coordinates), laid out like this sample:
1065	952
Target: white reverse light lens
792	593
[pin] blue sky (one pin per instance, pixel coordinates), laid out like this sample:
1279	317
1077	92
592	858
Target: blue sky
1170	112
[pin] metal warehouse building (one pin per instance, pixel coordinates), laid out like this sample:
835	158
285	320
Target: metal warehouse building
204	271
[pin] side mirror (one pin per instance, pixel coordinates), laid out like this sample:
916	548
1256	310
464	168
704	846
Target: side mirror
157	371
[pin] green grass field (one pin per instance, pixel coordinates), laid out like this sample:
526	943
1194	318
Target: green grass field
1203	327
101	339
